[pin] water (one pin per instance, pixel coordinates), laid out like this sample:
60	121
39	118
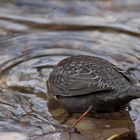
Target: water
35	36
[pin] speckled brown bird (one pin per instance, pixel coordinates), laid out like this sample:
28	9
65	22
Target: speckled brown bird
79	82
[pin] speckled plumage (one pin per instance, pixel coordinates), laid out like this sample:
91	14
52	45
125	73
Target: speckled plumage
83	81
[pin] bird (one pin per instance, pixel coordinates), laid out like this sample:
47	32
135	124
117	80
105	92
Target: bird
82	83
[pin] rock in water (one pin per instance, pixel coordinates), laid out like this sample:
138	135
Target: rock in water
82	81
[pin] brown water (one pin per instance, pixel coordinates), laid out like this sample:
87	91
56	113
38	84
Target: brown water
35	36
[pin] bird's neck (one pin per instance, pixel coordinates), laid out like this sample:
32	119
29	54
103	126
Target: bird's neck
134	91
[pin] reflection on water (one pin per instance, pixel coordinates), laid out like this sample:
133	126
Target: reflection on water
36	35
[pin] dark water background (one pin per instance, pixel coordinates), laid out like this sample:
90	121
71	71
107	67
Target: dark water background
36	35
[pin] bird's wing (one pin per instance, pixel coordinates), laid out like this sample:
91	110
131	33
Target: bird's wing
84	82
